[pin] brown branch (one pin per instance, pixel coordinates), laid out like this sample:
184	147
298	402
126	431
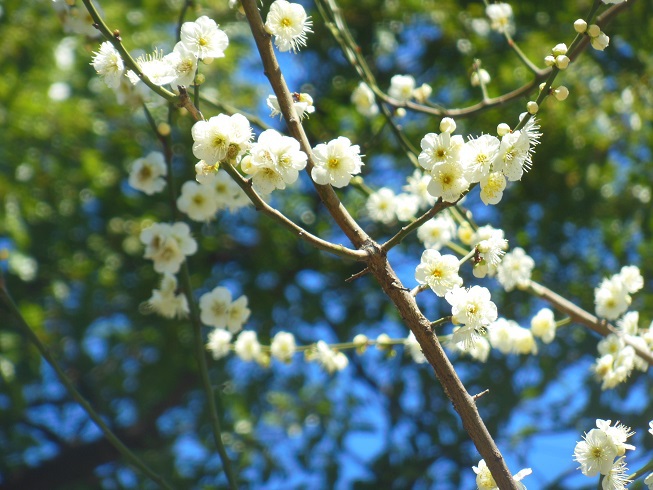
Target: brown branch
579	315
379	266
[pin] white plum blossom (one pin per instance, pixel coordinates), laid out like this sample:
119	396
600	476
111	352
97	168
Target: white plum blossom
401	87
328	358
440	148
147	174
543	325
619	433
336	162
219	343
414	349
302	103
448	181
595	453
184	63
274	161
109	65
203	38
406	206
218	310
283	346
416	184
500	15
363	98
214	307
221	138
477	156
485	481
492	187
156	67
381	205
227	192
629	323
166	302
510	338
515	269
479	349
436	232
514	155
288	23
168	245
617	477
247	346
439	272
611	298
473	309
490	247
197	201
631	278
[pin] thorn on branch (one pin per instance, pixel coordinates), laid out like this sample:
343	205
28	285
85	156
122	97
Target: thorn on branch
357	275
479	395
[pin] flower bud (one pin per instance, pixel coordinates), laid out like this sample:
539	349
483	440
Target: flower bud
593	30
580	26
532	107
559	49
383	342
207	61
447	125
561	93
422	93
600	42
549	60
400	112
562	61
503	129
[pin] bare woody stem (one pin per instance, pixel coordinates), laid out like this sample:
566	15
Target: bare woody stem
379	266
273	72
126	453
280	218
579	315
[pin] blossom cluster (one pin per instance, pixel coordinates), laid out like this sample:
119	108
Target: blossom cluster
199	40
454	164
617	355
602	451
612	297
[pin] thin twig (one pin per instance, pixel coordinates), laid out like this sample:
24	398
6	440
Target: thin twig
579	315
129	456
279	217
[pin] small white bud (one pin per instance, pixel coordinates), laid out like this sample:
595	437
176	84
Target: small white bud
400	112
503	129
562	61
207	61
422	93
542	85
532	107
580	26
594	30
549	60
447	125
561	93
559	49
600	42
480	76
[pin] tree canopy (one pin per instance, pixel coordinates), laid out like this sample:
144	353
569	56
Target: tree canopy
74	260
